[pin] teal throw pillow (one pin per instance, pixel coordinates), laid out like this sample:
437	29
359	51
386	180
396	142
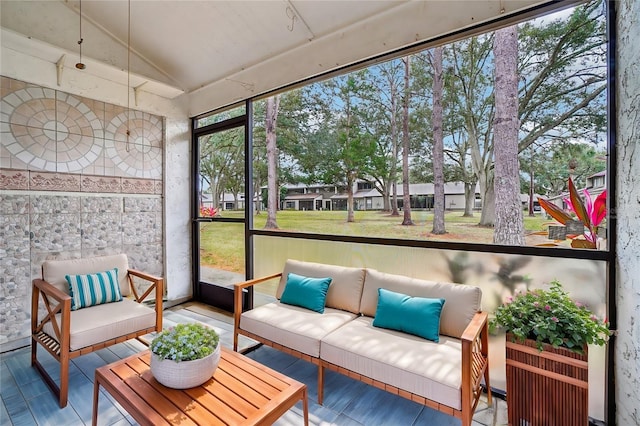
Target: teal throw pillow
94	289
414	315
306	292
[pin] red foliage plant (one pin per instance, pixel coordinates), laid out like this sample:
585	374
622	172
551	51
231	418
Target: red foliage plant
590	213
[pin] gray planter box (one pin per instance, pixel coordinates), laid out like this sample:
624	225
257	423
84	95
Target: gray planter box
557	232
574	227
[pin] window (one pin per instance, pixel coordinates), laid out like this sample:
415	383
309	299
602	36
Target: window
347	133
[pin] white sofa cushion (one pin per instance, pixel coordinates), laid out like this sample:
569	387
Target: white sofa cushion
432	370
461	301
54	271
100	323
345	290
294	327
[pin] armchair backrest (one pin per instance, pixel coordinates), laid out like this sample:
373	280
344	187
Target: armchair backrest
54	271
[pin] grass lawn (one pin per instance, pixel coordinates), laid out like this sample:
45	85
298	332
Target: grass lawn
222	244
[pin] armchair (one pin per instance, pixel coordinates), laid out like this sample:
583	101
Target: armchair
68	330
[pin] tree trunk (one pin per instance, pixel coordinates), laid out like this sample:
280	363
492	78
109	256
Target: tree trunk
406	196
351	217
393	173
438	145
488	196
509	225
272	187
469	199
484	173
394	201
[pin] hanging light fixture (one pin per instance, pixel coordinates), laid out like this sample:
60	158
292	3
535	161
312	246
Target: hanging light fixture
80	65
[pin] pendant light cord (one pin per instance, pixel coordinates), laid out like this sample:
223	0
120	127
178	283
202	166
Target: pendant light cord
80	65
128	72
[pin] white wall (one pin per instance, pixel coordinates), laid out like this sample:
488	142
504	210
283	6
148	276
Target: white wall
627	356
177	209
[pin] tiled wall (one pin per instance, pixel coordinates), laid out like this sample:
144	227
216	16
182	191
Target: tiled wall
72	186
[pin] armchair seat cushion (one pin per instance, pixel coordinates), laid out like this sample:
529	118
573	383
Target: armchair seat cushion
425	368
101	323
292	326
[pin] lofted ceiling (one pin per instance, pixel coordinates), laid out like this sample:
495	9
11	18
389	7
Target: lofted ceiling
220	52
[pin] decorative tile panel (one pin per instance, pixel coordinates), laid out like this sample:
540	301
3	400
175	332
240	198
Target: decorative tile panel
137	186
77	115
152	163
137	204
152	130
7	160
19	143
145	257
101	230
102	251
81	116
107	184
138	228
14	278
102	205
56	142
42	181
57	232
158	229
51	204
14	179
124	159
14	232
47	130
14	204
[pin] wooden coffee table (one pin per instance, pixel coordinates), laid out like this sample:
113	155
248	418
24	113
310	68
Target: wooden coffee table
241	392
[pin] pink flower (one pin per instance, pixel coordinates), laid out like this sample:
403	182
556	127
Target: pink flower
547	308
594	318
554	319
536	304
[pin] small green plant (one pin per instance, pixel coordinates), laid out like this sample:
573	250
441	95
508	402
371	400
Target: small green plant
185	342
551	316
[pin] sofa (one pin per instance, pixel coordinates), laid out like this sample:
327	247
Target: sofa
105	309
356	332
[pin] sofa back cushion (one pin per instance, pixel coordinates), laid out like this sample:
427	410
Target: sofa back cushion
461	301
54	271
345	290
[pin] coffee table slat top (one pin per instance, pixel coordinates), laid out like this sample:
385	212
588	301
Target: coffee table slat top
241	392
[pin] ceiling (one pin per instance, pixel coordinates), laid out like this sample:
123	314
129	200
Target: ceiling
220	52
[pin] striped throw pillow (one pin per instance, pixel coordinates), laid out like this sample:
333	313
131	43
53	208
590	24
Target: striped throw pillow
94	289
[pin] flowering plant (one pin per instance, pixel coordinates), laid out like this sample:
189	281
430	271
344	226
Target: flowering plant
551	316
208	211
591	214
185	342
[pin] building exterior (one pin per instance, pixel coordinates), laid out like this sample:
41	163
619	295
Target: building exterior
596	184
367	196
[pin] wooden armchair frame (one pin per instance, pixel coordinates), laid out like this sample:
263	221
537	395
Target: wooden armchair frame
57	302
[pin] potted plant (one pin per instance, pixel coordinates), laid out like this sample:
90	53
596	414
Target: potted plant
546	356
589	212
185	356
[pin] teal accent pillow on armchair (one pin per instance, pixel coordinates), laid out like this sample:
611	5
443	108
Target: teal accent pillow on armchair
306	292
414	315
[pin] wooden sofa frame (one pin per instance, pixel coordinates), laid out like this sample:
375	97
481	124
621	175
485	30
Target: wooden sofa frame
56	302
475	361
